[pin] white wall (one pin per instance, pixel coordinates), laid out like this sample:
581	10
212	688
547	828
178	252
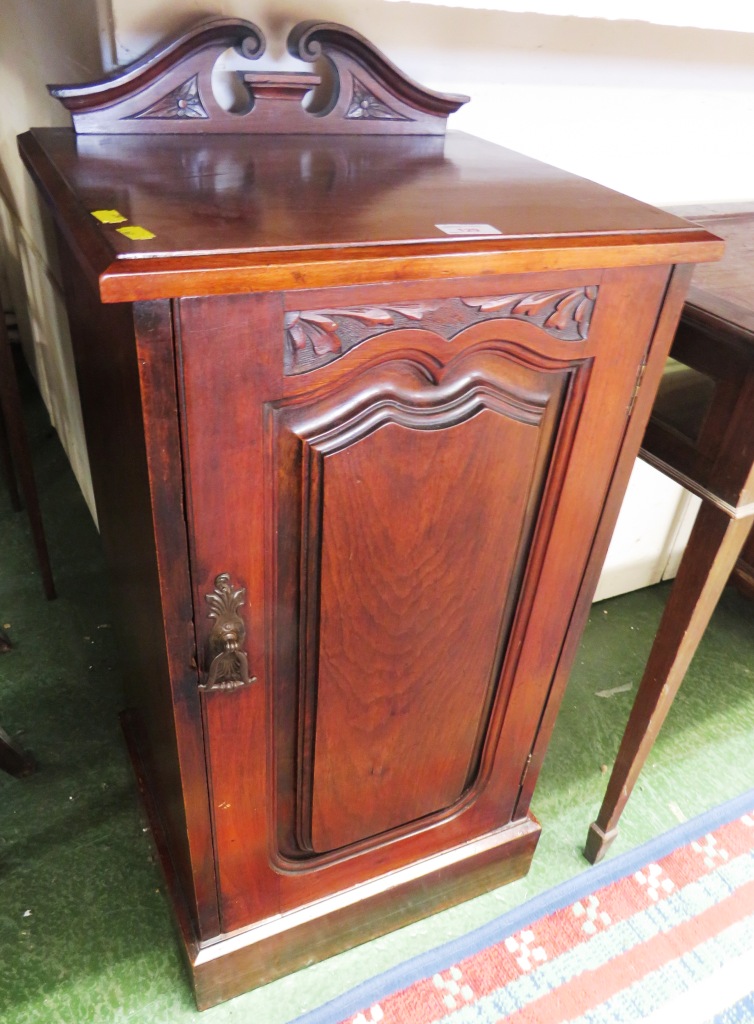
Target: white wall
730	15
660	111
41	43
617	101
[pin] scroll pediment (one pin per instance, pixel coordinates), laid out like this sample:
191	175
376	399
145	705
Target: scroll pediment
170	89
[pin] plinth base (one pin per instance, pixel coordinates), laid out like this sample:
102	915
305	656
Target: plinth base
228	965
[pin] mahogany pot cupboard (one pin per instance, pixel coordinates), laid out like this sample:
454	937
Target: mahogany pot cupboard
361	402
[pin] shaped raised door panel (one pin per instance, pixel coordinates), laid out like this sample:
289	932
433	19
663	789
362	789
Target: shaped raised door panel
406	504
411	618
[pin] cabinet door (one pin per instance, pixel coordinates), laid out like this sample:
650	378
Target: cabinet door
406	495
410	516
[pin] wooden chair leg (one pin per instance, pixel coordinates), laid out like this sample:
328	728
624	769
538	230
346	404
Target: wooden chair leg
13	759
12	415
712	550
6	462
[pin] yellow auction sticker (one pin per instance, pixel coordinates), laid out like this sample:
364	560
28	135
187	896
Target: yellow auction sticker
135	233
109	216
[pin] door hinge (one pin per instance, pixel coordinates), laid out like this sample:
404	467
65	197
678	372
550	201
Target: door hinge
525	771
637	386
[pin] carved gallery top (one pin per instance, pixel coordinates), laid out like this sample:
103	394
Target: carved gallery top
160	185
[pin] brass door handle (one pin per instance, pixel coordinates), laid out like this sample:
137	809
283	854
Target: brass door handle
229	665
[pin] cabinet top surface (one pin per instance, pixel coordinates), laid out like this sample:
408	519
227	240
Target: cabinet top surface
226	206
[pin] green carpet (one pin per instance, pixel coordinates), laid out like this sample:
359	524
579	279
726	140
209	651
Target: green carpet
85	930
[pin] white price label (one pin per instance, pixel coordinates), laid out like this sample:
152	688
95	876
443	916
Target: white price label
468	229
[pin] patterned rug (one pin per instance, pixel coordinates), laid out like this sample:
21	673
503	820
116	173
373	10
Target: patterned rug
664	933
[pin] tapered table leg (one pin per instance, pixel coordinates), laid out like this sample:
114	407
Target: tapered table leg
711	554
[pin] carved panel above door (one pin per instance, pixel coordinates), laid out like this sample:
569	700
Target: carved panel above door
315	337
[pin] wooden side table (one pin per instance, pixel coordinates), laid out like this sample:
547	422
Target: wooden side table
701	434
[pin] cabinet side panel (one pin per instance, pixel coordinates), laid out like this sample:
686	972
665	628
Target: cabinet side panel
107	368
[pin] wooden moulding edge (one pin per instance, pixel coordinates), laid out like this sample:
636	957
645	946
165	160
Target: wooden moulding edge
155	277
